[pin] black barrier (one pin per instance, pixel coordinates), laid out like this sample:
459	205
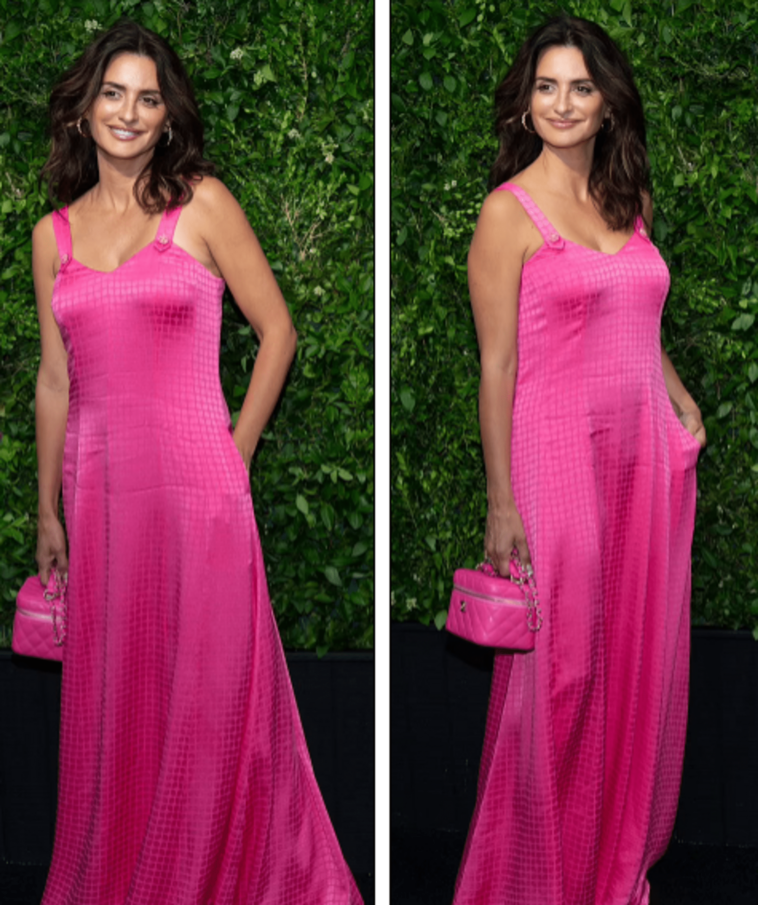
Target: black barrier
335	695
439	695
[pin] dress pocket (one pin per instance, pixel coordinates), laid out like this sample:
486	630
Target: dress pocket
689	442
238	464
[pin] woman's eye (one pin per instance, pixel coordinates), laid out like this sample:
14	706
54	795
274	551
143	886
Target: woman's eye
151	101
584	89
109	92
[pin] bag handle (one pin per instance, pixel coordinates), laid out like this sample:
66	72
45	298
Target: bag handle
523	576
55	595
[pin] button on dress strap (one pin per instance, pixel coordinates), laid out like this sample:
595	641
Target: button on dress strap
165	235
548	232
62	230
640	227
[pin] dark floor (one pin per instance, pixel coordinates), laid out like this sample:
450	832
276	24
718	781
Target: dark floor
423	870
22	884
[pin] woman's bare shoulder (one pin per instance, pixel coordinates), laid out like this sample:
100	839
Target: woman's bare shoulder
43	237
209	194
502	211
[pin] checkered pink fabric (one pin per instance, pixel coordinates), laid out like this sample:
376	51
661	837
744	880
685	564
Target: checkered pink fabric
184	773
582	759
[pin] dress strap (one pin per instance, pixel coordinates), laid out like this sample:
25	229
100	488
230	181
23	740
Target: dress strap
548	232
165	235
62	230
639	225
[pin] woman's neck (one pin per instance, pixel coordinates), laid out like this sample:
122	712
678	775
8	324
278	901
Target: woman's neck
566	171
115	187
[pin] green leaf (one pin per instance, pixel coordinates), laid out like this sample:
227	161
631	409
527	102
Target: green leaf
440	618
408	37
302	504
752	372
743	322
425	80
466	17
450	83
441	117
407	399
724	409
332	575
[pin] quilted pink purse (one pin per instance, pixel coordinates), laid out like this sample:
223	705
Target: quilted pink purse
39	626
494	611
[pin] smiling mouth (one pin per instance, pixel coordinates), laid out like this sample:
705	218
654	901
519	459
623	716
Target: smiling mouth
124	134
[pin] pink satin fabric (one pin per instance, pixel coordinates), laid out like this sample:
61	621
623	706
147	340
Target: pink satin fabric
184	772
582	760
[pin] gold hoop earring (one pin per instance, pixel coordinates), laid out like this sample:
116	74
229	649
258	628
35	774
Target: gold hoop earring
170	136
79	127
523	123
610	123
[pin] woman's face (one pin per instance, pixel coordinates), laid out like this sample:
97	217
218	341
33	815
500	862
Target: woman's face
566	107
128	116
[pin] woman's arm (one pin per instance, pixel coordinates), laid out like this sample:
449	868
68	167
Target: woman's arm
51	406
241	261
684	405
495	261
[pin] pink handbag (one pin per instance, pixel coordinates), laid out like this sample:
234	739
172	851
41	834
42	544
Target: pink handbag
494	611
39	626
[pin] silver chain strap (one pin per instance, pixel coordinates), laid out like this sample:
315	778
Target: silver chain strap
525	580
57	601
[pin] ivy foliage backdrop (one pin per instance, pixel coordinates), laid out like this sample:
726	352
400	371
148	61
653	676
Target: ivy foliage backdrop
696	65
286	95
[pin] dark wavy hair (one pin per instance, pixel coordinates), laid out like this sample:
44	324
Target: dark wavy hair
620	169
166	180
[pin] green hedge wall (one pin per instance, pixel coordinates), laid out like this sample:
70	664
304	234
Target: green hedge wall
286	94
696	66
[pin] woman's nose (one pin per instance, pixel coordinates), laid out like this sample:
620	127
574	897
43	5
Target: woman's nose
563	101
128	112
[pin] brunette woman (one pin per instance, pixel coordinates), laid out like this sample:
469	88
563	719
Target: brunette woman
590	444
184	775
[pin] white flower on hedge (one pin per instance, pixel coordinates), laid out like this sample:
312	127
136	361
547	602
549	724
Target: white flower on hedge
237	53
91	25
293	133
318	291
329	158
411	603
259	78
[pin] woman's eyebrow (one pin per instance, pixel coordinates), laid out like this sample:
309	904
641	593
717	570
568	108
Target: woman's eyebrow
545	78
123	88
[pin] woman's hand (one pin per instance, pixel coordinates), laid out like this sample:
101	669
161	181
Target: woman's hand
505	530
51	547
246	457
693	421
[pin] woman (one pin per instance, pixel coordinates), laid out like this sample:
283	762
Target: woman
184	775
590	443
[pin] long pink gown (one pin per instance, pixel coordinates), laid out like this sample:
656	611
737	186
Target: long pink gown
580	773
184	773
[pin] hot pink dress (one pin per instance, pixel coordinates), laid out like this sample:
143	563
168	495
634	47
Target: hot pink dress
184	773
582	759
